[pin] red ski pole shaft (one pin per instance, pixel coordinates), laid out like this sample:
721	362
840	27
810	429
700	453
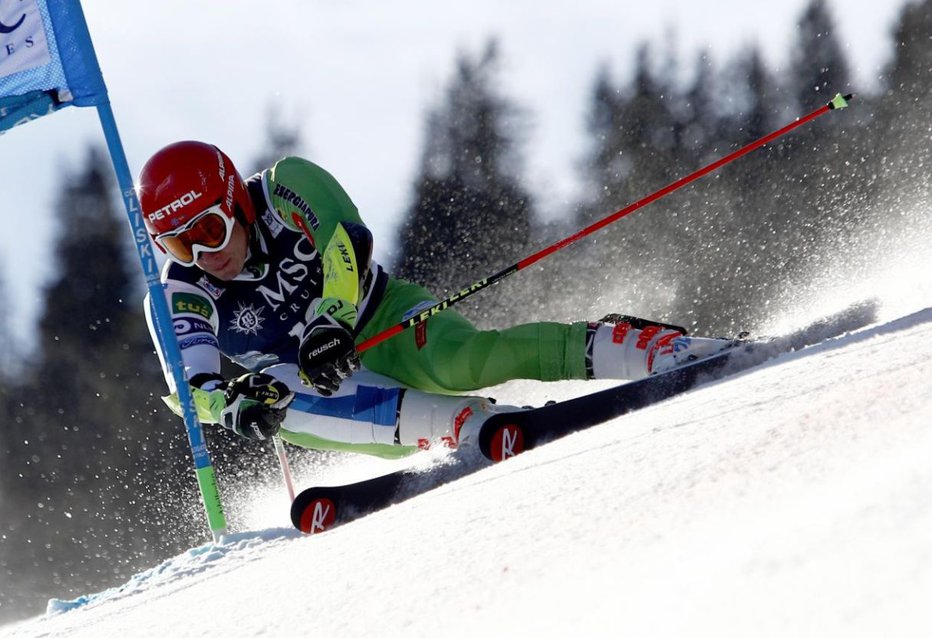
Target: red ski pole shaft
839	102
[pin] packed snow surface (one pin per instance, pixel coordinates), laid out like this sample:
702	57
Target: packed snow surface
791	500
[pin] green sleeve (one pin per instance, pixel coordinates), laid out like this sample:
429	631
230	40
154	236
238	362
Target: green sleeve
304	194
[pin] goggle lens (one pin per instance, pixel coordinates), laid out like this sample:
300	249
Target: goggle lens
208	232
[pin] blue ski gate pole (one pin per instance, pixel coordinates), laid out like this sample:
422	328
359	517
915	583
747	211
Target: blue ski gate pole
204	470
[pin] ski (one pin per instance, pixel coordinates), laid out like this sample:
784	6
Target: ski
508	434
505	435
318	509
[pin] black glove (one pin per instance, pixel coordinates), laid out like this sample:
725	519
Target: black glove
255	405
327	354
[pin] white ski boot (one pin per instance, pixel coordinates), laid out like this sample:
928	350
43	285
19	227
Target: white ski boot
426	419
682	349
621	351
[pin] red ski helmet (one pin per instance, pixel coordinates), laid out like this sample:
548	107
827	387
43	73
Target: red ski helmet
184	179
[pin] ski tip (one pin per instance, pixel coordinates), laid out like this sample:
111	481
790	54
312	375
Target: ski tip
315	515
506	441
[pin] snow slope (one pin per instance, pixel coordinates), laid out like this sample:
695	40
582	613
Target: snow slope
792	500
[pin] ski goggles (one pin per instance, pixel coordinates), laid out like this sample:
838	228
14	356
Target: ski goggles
206	232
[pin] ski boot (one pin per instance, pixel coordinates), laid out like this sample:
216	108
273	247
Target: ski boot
624	351
427	419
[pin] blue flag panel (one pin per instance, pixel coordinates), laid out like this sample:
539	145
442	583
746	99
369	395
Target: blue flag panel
47	60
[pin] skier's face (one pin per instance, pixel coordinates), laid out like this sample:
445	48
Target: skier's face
227	263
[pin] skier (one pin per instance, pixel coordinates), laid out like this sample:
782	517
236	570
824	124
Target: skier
276	273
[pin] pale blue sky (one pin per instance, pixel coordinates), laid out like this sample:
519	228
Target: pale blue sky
358	75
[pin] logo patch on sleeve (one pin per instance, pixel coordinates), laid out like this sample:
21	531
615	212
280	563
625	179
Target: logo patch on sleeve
183	302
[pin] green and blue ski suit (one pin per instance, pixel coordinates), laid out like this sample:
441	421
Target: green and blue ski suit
304	247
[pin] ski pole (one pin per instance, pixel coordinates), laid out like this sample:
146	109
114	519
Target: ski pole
838	102
283	464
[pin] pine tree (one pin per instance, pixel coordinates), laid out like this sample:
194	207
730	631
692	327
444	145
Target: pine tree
470	213
738	282
811	177
905	110
819	67
634	132
697	121
637	132
282	138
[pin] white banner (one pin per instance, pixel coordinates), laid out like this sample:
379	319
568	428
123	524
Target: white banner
23	44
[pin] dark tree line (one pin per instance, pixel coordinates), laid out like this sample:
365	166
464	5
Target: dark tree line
88	454
95	479
715	254
719	255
